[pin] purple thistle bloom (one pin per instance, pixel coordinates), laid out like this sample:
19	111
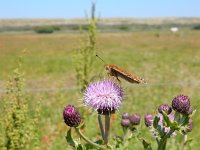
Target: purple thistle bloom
103	96
125	116
148	120
181	104
71	116
164	108
135	119
125	122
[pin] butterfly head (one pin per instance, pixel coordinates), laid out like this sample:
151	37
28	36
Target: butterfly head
107	67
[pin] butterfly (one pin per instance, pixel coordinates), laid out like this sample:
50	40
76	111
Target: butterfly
117	71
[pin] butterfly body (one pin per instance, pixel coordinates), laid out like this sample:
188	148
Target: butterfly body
116	71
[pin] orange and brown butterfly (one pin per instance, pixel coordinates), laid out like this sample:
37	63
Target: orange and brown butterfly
116	71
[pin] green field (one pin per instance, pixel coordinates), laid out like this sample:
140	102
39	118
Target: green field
169	62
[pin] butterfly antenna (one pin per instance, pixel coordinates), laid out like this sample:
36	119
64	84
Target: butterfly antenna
100	58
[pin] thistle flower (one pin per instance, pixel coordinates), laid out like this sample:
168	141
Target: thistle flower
164	108
105	96
125	115
125	122
181	104
135	119
148	120
71	116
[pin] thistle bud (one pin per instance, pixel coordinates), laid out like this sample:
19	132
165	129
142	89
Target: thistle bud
125	122
164	108
125	115
148	119
135	119
71	116
181	104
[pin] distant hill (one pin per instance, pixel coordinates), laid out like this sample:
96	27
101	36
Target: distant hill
104	24
106	21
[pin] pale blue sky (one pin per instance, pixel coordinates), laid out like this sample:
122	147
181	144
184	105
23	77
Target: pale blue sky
105	8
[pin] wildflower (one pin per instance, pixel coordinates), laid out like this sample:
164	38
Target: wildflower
103	96
125	116
164	108
181	104
125	122
148	119
71	116
135	119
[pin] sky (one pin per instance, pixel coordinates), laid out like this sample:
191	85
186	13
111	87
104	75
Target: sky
104	8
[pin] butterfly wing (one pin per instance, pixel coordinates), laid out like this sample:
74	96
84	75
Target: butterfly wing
128	76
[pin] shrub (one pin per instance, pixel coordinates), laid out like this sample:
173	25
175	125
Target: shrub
19	127
85	55
197	27
46	29
124	27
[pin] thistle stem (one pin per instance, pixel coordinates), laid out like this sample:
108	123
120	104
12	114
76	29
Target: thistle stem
125	131
107	128
184	142
87	140
163	141
101	127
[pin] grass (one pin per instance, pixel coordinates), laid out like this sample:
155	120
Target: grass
169	62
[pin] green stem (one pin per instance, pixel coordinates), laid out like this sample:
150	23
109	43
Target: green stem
164	145
184	142
101	127
163	141
125	129
87	140
157	141
107	128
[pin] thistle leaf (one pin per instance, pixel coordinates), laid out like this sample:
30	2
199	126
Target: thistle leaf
70	139
155	122
167	119
146	145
